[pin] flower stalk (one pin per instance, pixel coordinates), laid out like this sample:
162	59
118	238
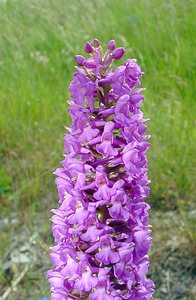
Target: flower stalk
101	228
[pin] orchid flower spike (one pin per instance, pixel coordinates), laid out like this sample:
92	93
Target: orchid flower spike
101	227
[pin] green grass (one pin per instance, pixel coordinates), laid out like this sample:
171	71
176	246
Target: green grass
38	41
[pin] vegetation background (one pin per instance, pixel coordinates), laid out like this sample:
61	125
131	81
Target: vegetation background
38	41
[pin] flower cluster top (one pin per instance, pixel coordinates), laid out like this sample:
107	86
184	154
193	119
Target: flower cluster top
101	227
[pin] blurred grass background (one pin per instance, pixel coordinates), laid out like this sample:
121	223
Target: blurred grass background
38	42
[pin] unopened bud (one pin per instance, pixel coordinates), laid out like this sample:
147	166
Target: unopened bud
88	48
96	42
118	53
111	45
80	60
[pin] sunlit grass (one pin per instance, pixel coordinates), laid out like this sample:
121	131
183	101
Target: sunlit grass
38	42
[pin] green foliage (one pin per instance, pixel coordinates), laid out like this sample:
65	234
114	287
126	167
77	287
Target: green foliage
5	183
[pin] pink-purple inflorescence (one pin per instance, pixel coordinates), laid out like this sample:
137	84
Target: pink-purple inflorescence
101	227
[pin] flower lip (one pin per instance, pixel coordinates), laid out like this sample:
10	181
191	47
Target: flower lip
101	180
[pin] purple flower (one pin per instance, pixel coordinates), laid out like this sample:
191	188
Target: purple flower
55	279
106	251
106	147
80	214
83	89
123	269
118	210
132	73
101	226
107	254
123	105
92	232
101	293
104	192
142	242
70	266
86	281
